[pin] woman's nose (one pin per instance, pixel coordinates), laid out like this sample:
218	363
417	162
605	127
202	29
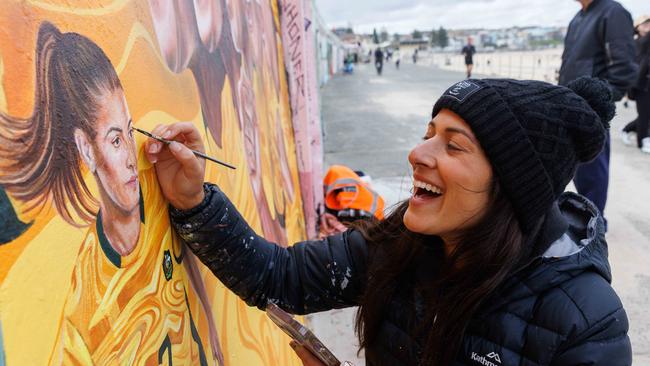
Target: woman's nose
424	154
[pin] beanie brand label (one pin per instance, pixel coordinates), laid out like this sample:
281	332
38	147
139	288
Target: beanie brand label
461	90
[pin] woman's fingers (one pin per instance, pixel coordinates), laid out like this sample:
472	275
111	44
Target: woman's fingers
153	147
307	358
185	132
159	130
191	164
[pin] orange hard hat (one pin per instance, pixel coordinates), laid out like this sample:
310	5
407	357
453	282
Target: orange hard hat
345	191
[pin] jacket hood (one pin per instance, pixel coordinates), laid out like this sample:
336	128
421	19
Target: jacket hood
587	229
578	218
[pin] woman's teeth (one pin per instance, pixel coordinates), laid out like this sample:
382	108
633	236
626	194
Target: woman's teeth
427	187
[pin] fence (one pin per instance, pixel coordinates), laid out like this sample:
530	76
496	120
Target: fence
536	65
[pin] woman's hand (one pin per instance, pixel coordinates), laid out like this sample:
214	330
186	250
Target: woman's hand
180	173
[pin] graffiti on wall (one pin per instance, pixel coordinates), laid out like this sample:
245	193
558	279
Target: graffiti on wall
91	270
299	53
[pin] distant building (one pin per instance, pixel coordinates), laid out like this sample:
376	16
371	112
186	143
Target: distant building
515	38
408	44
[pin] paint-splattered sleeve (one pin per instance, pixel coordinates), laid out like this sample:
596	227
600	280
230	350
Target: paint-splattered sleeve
308	277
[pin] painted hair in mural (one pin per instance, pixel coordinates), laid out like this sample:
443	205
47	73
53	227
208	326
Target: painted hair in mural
42	154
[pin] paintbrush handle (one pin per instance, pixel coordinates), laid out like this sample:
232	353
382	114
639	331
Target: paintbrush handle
200	154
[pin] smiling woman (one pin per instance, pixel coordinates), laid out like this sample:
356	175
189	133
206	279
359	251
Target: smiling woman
488	262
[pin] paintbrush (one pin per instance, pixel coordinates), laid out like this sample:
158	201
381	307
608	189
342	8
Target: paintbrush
197	153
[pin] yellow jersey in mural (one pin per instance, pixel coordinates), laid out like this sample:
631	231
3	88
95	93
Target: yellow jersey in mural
131	309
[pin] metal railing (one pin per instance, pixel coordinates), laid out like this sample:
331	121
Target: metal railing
533	65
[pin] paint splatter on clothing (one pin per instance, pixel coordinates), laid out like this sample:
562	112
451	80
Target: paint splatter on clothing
315	276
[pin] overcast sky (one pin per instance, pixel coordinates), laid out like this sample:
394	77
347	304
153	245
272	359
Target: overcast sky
405	15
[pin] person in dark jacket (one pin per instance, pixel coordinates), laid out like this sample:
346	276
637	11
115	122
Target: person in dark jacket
469	50
379	60
600	43
488	263
640	92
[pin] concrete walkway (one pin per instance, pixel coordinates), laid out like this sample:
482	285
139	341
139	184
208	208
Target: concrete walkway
372	122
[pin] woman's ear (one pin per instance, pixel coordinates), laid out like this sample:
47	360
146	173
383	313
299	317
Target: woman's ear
85	150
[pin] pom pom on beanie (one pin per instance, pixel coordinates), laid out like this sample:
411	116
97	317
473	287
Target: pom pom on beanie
598	95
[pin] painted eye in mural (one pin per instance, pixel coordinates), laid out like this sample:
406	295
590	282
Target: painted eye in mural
117	141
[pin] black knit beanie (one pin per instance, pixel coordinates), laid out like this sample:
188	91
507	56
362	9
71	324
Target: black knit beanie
534	133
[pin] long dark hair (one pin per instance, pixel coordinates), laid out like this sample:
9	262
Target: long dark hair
483	257
39	157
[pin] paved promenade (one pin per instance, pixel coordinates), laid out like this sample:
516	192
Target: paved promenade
371	123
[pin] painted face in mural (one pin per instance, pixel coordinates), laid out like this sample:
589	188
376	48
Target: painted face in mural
111	155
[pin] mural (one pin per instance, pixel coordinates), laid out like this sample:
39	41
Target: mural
91	272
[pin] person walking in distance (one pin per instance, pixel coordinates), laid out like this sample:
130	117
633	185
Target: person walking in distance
379	60
600	43
398	58
640	92
469	50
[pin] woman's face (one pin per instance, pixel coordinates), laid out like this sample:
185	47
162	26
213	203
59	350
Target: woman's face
114	153
452	179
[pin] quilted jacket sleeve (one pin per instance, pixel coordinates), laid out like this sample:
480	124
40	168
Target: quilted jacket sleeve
605	342
307	277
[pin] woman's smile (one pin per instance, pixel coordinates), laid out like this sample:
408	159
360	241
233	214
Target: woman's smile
425	193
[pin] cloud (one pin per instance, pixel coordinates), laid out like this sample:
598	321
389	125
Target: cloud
405	15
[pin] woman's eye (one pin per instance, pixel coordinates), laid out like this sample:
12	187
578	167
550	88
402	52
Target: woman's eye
116	141
452	146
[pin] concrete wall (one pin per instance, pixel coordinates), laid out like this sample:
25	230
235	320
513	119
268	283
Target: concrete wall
91	271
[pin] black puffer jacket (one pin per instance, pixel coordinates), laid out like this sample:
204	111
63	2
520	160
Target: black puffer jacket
559	309
600	43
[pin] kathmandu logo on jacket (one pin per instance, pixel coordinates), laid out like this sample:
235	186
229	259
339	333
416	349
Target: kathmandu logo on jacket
491	359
